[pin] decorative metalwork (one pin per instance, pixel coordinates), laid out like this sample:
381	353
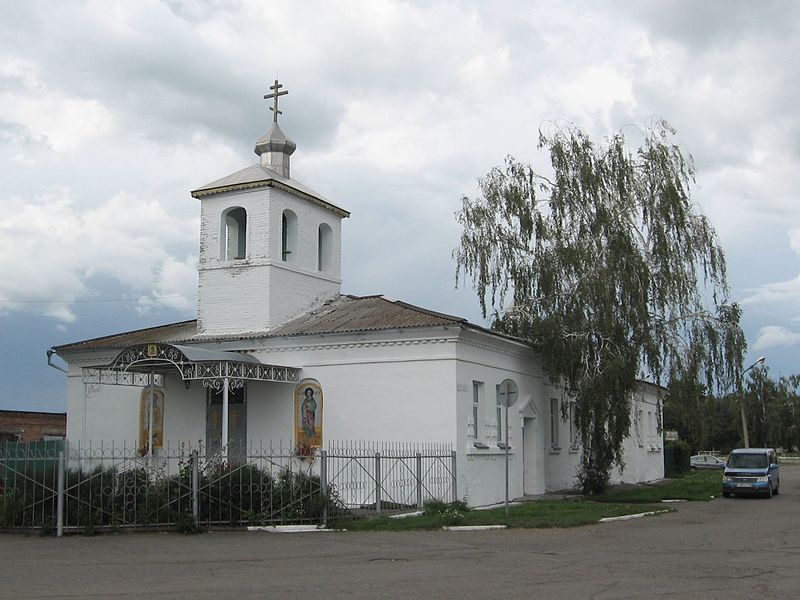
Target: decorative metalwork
112	486
97	376
134	365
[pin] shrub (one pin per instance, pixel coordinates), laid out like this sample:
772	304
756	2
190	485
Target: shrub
435	506
677	458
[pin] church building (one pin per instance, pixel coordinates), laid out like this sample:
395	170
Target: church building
277	352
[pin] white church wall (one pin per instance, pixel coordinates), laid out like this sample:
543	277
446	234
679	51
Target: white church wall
294	291
270	420
483	363
263	290
408	385
184	414
377	386
562	452
256	203
309	217
222	309
100	414
643	448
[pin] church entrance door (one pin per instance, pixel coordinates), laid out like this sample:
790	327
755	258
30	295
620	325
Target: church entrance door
532	463
237	424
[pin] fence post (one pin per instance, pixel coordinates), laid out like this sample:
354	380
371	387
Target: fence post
378	482
419	480
455	476
323	484
195	491
60	496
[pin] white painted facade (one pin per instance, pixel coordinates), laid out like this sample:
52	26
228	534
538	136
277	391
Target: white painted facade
264	288
401	384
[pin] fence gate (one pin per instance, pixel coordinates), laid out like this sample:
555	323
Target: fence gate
395	477
29	484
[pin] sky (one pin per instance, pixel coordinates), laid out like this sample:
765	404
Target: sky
112	111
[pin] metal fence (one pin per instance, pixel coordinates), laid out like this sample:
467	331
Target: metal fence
61	488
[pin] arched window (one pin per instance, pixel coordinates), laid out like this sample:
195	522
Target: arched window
324	247
233	235
289	236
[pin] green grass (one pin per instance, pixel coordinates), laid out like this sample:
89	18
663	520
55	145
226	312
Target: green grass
539	514
699	485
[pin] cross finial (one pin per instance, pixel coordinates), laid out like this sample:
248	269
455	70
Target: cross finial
274	95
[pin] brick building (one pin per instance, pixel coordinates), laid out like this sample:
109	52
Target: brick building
27	426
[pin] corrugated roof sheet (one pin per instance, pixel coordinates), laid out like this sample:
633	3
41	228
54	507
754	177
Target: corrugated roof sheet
163	333
344	314
348	314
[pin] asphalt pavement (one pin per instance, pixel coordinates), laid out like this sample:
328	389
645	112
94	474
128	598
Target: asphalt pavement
726	548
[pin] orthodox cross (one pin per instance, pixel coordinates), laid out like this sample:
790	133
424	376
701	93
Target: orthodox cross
274	95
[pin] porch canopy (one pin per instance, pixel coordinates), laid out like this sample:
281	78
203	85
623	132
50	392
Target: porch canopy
146	364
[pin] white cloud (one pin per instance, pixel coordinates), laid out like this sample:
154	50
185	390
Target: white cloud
774	336
66	122
50	250
110	112
781	292
175	286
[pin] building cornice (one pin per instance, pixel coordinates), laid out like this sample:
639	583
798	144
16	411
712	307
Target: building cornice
271	183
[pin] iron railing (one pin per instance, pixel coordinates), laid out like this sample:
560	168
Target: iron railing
112	487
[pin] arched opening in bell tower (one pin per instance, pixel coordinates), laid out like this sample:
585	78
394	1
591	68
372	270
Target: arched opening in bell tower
289	236
233	234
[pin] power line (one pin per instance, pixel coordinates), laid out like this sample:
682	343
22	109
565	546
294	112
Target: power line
92	301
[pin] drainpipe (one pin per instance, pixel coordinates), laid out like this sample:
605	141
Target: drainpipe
50	362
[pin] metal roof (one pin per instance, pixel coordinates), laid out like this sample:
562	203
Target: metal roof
344	314
197	354
256	176
172	332
366	313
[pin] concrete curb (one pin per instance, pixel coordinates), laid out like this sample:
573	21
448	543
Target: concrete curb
285	529
634	516
472	527
416	513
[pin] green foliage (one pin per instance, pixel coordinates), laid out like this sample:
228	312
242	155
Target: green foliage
773	409
447	513
435	506
709	422
608	269
104	498
678	457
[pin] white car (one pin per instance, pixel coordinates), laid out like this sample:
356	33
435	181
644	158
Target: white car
706	461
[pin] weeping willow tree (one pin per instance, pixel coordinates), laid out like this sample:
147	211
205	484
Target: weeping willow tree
606	268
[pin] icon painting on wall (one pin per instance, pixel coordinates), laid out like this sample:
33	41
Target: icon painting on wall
158	418
308	414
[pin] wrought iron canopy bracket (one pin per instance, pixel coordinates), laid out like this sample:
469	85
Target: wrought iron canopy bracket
134	365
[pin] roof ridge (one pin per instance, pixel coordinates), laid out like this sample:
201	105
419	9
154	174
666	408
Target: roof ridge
410	306
427	311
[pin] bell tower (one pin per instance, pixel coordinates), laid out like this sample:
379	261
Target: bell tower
270	247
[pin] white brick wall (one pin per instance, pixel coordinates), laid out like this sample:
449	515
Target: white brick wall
262	291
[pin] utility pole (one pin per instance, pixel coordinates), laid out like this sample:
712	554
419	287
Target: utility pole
741	402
